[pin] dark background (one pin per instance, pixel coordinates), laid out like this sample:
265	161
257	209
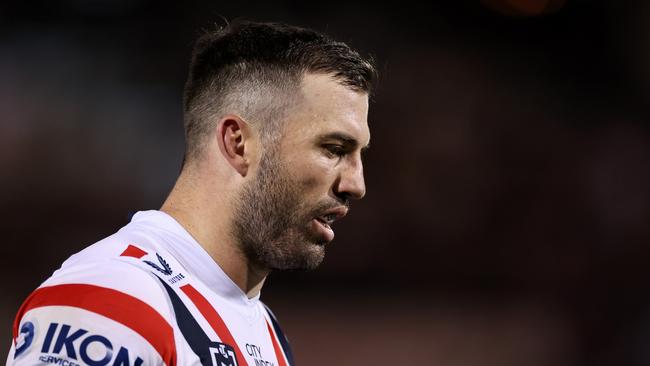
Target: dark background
508	207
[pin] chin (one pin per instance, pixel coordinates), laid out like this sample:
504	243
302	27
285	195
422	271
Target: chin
302	257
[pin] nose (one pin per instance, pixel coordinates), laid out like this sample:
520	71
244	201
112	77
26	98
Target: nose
351	183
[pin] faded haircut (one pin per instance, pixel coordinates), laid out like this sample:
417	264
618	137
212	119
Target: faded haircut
255	70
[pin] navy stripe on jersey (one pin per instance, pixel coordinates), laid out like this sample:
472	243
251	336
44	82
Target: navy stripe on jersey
192	331
284	342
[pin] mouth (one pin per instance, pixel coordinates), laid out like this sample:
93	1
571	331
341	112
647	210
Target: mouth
323	224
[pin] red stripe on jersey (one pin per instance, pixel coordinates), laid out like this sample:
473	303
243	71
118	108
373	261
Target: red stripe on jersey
133	251
215	321
115	305
276	347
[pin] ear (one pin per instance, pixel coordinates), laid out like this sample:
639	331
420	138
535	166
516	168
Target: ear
235	138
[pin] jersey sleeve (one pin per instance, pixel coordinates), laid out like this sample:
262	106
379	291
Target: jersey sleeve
98	314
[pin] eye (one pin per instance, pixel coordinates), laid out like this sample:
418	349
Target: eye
334	150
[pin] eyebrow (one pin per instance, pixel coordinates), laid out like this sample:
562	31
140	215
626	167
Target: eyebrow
345	138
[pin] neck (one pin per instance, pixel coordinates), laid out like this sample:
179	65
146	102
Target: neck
206	217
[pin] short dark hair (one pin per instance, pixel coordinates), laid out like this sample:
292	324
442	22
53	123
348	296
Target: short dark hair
256	59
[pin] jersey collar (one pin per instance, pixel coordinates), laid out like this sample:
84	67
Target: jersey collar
192	256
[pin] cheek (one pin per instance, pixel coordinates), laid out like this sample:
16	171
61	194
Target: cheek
313	173
315	177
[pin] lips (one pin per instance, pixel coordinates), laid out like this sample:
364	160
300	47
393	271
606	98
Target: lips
322	224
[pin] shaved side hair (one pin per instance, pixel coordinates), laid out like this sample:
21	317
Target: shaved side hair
255	70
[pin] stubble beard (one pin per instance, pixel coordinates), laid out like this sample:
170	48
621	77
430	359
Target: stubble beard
271	220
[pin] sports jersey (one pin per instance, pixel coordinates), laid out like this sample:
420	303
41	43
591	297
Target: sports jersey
146	295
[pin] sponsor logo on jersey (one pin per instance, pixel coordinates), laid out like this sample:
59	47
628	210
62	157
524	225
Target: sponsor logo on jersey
164	268
65	346
57	361
255	351
25	338
222	354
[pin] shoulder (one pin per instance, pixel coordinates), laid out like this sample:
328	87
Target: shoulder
110	267
101	300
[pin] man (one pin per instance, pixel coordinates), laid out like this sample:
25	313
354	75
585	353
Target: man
275	122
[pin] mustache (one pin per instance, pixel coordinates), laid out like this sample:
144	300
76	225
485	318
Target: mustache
327	205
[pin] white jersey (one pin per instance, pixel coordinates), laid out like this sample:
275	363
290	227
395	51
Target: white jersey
146	295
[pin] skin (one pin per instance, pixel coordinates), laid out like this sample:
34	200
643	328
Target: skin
319	154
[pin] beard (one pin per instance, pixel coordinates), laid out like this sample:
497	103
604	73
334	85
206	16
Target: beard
271	221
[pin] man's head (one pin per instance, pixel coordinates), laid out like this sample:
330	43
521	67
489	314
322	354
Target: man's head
288	109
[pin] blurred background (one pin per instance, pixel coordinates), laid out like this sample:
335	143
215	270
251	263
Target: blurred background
508	207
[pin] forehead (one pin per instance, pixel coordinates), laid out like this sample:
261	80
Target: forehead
325	106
